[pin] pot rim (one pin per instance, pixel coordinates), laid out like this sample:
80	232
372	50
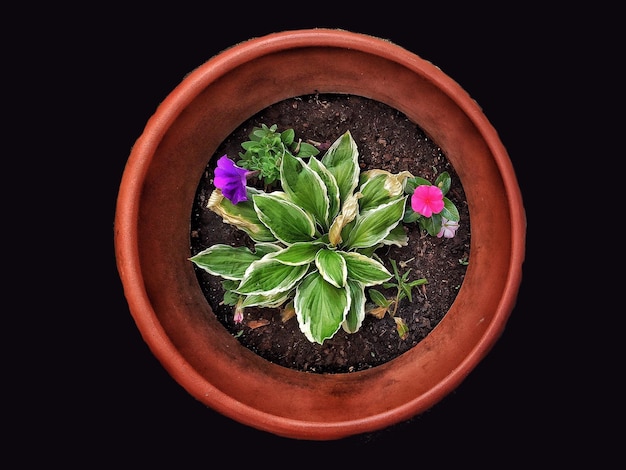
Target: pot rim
127	249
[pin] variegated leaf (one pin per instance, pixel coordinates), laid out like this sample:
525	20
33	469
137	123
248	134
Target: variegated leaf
288	222
270	301
226	261
320	307
395	182
374	226
268	276
356	314
373	192
305	187
380	186
364	269
299	253
332	190
332	267
264	248
342	160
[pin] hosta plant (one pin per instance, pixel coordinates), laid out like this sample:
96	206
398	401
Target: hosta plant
315	237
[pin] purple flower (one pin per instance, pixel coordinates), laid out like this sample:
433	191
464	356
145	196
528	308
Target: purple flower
231	180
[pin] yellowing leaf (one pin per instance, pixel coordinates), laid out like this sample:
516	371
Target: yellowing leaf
403	329
241	215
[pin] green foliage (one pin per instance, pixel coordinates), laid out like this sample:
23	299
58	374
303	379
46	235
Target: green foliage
383	305
403	289
265	149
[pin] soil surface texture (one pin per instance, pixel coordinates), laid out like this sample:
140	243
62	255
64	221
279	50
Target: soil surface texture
386	139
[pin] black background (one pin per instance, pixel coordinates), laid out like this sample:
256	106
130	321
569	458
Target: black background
96	394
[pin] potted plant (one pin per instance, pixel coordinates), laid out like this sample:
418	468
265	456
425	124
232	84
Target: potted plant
152	234
414	262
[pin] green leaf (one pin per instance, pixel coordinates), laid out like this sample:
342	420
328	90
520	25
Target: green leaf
444	182
410	215
342	160
305	187
374	226
230	298
288	136
320	307
306	150
225	261
299	253
259	132
378	298
356	314
450	211
406	290
288	222
268	276
332	267
431	224
413	183
364	269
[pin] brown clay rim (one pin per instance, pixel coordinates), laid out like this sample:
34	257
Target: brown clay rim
168	306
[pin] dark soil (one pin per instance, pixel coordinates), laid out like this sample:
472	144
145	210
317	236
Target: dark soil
386	139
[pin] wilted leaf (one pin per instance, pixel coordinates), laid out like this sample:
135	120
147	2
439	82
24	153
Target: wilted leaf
403	329
254	324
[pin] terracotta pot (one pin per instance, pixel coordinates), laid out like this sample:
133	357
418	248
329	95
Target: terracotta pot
152	234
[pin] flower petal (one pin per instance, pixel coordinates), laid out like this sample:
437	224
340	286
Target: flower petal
231	180
427	200
448	228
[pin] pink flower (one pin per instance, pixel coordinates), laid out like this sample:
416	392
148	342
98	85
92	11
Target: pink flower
238	316
448	228
231	180
427	200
